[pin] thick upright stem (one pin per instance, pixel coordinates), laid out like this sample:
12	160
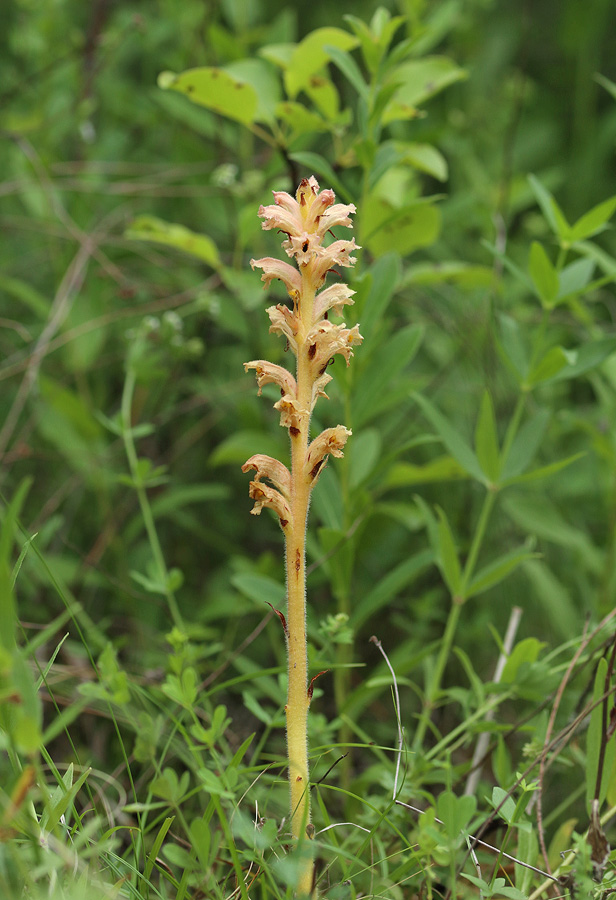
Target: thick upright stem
315	340
297	698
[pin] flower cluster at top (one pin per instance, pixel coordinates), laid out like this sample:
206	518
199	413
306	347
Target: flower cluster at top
305	220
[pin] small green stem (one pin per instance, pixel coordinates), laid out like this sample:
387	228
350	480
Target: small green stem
453	618
482	524
435	680
144	504
512	428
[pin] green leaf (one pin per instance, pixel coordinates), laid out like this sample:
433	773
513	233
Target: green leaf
314	162
455	812
527	852
240	446
463	275
349	69
544	471
338	551
550	209
299	119
486	440
61	798
452	439
391	584
512	347
424	158
593	221
443	468
201	839
594	739
504	803
498	570
216	90
609	86
310	55
264	80
574	278
180	857
550	365
260	588
449	562
586	357
418	80
325	97
401	230
543	274
149	228
158	842
526	444
27	294
364	453
524	653
374	293
497	888
384	366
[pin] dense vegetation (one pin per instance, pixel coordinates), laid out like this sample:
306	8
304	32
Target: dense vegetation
461	556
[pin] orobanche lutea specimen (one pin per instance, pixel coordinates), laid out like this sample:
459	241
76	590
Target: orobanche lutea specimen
306	220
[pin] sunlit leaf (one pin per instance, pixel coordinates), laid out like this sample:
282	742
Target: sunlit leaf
215	89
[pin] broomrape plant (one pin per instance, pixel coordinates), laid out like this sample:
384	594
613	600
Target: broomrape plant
306	220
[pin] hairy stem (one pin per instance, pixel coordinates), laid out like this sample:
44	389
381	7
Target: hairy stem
297	697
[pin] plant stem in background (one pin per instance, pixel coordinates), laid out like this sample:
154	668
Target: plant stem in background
142	496
314	340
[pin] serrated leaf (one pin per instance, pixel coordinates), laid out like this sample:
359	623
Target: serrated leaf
216	90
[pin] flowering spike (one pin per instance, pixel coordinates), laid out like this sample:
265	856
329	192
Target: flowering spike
306	221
